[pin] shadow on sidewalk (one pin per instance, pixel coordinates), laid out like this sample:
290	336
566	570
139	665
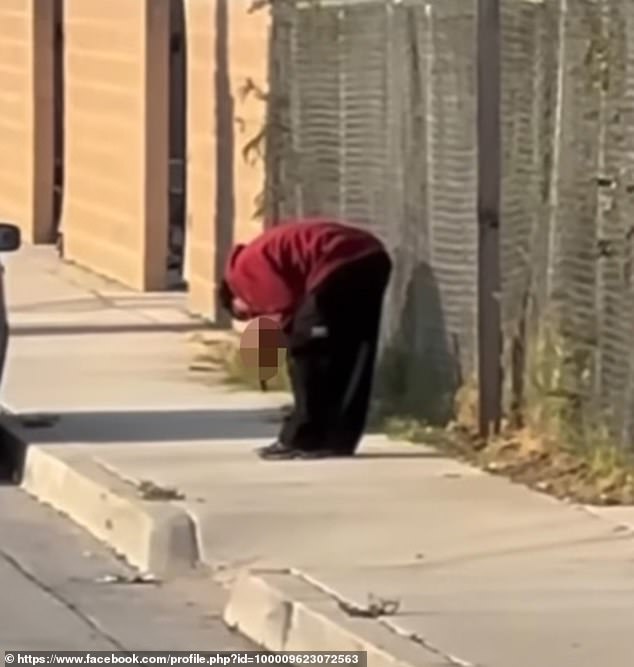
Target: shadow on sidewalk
147	426
97	300
82	330
17	432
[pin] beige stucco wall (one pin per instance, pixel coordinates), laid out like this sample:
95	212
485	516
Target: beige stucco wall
227	45
26	116
115	213
201	154
249	61
116	101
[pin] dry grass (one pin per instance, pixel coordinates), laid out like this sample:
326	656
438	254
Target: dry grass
599	474
221	355
546	455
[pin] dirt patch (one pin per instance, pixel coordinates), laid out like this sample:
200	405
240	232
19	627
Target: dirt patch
599	478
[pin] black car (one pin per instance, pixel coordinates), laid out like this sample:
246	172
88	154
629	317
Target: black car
10	241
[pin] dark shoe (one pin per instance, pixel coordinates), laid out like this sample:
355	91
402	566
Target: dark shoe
280	452
277	452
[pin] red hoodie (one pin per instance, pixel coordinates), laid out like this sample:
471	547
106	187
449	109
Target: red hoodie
274	272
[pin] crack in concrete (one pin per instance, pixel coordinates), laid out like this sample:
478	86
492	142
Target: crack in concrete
624	529
287	622
70	606
417	639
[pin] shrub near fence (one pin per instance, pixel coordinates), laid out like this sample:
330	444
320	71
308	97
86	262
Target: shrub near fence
371	118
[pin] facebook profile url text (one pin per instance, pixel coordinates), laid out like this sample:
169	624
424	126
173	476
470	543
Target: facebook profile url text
173	659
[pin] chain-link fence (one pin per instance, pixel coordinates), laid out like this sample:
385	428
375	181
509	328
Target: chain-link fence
581	365
372	118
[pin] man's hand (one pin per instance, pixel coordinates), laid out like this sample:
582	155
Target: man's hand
276	317
282	322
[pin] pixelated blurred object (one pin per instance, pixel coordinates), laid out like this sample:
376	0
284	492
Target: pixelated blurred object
262	350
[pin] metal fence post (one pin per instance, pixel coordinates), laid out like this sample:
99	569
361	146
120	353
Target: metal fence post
489	192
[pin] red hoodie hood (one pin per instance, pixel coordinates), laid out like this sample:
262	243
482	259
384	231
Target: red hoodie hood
273	273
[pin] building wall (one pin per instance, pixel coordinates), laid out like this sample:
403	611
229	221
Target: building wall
116	133
115	216
200	20
248	38
227	46
26	116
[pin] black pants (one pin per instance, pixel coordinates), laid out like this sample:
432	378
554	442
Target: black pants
332	347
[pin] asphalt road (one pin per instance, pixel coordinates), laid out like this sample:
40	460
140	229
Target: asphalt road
61	590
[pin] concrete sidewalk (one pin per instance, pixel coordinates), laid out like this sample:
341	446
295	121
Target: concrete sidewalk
484	572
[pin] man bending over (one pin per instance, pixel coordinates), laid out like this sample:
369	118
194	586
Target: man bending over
325	283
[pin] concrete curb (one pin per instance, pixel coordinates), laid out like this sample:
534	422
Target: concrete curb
278	611
156	537
281	611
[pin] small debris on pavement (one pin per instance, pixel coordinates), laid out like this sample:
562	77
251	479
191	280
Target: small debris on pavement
375	608
109	579
203	366
622	528
151	491
607	500
133	579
